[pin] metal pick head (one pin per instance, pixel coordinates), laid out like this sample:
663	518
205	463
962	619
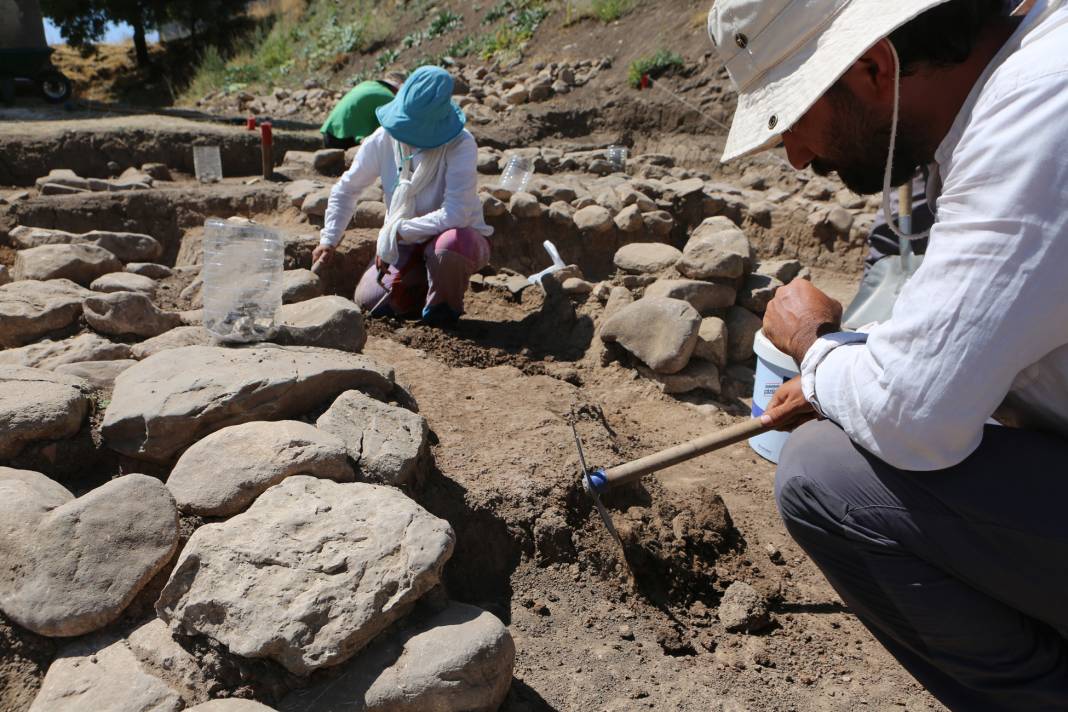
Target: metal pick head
589	486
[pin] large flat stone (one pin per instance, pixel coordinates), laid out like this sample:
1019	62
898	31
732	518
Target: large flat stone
38	405
225	472
70	566
126	246
50	354
457	660
98	374
170	400
30	309
309	574
388	443
173	339
80	263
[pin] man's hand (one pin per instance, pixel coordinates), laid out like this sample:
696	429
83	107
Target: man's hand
798	315
788	407
323	252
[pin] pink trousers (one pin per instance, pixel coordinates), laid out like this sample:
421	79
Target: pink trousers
434	272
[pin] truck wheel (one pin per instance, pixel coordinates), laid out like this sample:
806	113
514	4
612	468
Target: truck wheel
55	88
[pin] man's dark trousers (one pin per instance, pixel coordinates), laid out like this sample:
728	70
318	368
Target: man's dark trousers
961	573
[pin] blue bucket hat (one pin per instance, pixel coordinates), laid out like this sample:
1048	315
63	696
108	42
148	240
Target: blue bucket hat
423	113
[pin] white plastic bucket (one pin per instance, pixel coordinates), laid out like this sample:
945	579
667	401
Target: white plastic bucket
773	368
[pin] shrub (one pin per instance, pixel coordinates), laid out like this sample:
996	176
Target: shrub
654	65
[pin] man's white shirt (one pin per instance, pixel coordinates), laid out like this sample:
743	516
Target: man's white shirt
984	321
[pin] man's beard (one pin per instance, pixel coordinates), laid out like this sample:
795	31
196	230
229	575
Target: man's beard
860	140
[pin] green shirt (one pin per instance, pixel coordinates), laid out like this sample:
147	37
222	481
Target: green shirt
354	116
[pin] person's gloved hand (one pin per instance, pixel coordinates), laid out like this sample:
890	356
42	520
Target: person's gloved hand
788	408
798	315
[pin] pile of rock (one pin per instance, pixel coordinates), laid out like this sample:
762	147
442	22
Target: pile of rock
316	559
61	181
485	92
697	310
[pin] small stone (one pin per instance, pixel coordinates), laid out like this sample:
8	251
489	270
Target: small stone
576	286
328	322
561	213
124	282
618	297
38	405
712	341
388	443
660	332
151	270
629	219
625	632
299	285
705	297
329	161
757	291
315	203
698	374
128	314
716	250
646	257
742	326
743	609
298	190
101	673
516	95
458	659
660	223
783	270
840	220
594	218
774	554
157	171
492	207
524	205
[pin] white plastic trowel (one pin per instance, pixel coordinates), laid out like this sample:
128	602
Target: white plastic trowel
556	266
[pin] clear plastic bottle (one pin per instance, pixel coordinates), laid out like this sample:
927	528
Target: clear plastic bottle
242	279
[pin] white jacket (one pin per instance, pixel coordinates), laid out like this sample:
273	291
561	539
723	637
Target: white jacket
450	201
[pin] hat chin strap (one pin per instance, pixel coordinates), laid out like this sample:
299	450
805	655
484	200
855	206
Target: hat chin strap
890	154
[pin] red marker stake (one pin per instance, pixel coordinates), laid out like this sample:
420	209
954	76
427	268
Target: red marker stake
266	147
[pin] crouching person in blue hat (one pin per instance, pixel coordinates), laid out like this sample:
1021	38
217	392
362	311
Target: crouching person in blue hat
434	237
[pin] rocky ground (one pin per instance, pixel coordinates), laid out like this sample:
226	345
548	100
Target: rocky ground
370	514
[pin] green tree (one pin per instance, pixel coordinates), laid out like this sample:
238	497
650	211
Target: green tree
83	22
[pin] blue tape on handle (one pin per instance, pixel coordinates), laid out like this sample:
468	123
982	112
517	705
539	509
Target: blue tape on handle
597	479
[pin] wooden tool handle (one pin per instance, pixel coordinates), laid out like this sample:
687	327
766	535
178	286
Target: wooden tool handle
630	471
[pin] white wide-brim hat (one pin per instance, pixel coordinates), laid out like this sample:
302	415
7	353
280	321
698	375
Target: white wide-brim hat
782	55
